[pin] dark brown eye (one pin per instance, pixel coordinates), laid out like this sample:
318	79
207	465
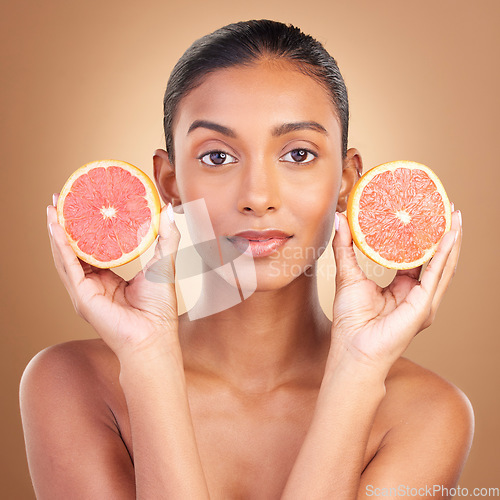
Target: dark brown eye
217	158
299	156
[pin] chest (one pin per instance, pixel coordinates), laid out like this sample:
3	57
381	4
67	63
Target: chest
248	444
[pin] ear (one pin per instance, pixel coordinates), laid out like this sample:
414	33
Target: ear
352	170
165	179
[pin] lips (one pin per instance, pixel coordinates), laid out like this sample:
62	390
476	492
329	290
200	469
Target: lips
261	235
259	243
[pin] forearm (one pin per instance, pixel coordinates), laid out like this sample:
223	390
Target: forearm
166	458
330	462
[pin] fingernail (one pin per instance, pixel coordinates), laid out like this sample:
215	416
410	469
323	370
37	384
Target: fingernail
170	212
48	206
54	199
50	229
337	221
452	207
460	217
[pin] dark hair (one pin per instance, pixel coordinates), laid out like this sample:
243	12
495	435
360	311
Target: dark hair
245	43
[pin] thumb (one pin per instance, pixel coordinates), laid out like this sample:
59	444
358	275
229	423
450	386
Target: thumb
161	267
348	270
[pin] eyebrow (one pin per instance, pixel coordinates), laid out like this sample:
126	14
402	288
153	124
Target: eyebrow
286	128
211	126
283	129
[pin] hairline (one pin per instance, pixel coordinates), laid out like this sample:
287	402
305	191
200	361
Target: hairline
293	64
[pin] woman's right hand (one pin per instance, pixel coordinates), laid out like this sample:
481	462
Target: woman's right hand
375	325
128	315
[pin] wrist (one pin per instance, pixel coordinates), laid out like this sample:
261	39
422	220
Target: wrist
151	355
349	370
352	372
147	378
350	387
344	356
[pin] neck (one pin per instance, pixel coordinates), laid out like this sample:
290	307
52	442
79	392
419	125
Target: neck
266	340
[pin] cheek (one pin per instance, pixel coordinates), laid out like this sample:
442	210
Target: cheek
325	231
316	212
200	207
193	185
186	183
317	224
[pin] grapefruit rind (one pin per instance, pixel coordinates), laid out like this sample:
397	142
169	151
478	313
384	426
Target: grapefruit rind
153	203
353	209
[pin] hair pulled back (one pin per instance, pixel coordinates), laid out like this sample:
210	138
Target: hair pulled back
245	43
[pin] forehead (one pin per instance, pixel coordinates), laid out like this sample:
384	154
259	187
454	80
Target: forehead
265	93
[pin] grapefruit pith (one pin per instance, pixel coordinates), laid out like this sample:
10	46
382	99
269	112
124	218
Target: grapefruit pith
110	211
398	212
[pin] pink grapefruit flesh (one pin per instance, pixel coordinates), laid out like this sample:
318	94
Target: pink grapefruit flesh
110	211
398	212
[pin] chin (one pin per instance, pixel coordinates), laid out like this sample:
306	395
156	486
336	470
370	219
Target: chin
262	275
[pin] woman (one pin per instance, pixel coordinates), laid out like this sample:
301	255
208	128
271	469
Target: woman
267	398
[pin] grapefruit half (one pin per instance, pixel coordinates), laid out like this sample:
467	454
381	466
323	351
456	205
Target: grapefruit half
110	211
398	212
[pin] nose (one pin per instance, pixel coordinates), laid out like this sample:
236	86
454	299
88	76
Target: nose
259	191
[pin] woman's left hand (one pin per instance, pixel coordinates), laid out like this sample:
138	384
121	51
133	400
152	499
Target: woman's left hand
375	325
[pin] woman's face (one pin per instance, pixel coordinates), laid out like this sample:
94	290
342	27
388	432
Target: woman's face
261	145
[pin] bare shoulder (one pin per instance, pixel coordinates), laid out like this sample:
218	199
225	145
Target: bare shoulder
415	390
75	376
71	403
77	363
427	424
76	350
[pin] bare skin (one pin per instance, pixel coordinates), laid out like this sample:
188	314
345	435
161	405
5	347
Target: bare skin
281	402
248	441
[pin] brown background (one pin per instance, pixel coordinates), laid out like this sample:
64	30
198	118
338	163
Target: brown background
85	80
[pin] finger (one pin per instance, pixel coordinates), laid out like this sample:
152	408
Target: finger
58	263
89	268
423	300
413	273
417	305
348	270
451	263
435	269
161	267
52	219
66	261
416	271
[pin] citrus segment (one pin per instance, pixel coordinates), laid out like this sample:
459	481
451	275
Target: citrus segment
398	212
110	212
